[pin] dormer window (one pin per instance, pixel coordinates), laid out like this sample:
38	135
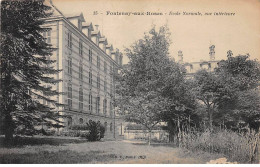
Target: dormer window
76	19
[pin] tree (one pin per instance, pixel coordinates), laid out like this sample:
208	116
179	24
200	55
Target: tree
211	91
151	85
96	131
26	68
242	75
139	84
230	93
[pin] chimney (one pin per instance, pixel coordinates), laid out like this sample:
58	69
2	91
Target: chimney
121	59
212	52
229	53
180	56
96	27
117	56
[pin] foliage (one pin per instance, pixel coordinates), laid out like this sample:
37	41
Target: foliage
241	71
139	83
230	94
242	76
211	91
79	127
151	87
26	68
96	131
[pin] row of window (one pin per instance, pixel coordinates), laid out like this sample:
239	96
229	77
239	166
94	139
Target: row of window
90	101
81	67
90	52
90	75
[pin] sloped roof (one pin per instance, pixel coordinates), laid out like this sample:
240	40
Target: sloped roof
110	46
76	15
96	32
89	25
103	39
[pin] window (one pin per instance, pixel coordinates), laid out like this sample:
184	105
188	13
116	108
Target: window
105	124
111	109
105	106
98	105
111	89
69	40
90	103
111	127
80	48
70	66
69	121
80	98
69	95
105	67
90	55
105	86
98	82
98	62
80	121
90	77
80	71
47	36
111	69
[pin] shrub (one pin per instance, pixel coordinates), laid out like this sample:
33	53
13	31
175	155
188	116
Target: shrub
79	127
96	131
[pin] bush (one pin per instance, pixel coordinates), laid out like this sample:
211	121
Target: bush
79	127
96	131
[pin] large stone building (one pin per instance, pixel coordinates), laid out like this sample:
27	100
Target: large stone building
87	62
193	67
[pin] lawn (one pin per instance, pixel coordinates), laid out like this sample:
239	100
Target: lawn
42	150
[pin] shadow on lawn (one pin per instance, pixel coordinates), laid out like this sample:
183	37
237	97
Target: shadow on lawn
23	141
59	157
155	144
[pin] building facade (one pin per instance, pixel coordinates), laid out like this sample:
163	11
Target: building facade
87	62
193	67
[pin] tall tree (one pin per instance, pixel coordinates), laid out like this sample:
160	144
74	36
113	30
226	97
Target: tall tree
242	75
230	93
139	85
26	68
149	86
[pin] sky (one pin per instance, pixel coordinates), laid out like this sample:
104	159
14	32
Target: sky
192	34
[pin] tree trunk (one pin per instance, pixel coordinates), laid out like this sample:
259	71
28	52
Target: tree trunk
210	119
8	129
149	137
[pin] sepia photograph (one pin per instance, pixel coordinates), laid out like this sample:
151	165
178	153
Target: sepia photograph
130	82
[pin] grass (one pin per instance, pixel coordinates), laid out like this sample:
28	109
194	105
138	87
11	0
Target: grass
39	150
62	156
194	148
25	141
